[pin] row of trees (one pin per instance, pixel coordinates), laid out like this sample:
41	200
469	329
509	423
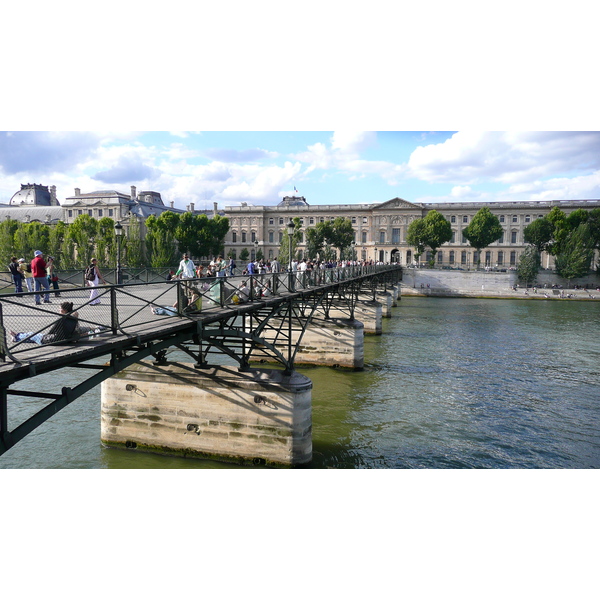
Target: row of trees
572	239
73	245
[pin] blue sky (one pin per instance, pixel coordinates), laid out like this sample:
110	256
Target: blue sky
335	167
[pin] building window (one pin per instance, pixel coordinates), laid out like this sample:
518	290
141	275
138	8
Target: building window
395	236
451	257
91	213
488	258
311	221
513	237
501	218
243	237
500	257
453	219
440	257
428	256
465	219
464	239
70	213
110	212
281	221
382	237
353	220
527	218
270	237
363	237
452	239
513	258
280	236
234	237
463	257
79	212
322	220
99	212
515	219
253	236
270	220
365	220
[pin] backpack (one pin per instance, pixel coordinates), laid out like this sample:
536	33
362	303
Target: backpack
90	273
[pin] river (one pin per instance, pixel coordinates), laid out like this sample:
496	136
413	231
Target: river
452	383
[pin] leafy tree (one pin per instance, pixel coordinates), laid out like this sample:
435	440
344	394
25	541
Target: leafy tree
529	264
576	254
134	247
56	247
106	251
315	241
539	234
160	239
7	245
244	255
416	236
341	234
483	230
218	227
438	231
82	233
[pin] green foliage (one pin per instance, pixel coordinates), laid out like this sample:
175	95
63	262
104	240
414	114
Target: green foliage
539	234
288	246
416	236
529	264
7	247
575	257
160	239
438	231
244	255
82	234
134	246
483	230
315	241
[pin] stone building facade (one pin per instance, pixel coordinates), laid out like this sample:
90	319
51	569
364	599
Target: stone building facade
380	229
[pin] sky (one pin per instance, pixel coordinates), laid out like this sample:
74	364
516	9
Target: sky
326	167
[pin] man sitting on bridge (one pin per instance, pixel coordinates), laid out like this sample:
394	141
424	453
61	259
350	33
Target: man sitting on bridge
66	329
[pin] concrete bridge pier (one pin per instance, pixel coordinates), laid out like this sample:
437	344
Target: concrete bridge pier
386	300
334	342
260	416
395	291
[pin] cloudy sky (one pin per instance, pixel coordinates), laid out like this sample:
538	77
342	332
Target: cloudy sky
325	167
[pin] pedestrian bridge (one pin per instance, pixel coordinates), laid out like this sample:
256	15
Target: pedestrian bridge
269	327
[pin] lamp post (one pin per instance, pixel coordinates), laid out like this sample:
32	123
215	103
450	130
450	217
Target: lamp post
375	255
290	230
119	235
353	244
255	249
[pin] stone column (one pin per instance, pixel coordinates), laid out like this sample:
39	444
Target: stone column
261	416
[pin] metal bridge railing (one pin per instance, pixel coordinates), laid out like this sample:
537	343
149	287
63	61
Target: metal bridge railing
125	309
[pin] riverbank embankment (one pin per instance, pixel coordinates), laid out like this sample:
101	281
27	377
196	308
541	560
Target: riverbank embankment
496	284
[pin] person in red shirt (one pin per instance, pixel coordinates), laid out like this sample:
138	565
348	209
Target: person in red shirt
38	270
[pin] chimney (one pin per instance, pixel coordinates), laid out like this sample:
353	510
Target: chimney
53	200
214	208
77	192
192	207
133	192
172	203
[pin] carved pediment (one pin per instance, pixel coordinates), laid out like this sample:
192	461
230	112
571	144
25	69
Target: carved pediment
397	203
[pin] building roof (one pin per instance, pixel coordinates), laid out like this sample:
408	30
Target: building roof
32	194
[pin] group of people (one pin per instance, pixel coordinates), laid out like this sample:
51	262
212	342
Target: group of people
37	275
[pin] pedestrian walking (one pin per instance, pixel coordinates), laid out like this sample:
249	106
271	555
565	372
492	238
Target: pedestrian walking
93	278
16	274
25	269
38	270
52	276
186	268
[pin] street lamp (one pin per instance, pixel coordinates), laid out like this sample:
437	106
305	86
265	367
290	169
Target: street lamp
375	255
290	229
119	235
255	249
353	244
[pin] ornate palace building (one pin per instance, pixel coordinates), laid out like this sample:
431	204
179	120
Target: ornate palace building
380	229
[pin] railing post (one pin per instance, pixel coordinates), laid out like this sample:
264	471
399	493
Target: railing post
114	314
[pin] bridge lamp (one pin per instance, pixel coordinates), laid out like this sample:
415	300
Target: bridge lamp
290	230
375	255
119	235
255	249
353	244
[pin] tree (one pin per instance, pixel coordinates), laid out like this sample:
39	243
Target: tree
539	234
341	234
244	255
56	246
288	246
529	264
160	239
416	236
483	230
315	241
82	233
134	246
438	231
576	254
7	234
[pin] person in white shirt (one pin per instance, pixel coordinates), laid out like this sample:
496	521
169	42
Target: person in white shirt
186	268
